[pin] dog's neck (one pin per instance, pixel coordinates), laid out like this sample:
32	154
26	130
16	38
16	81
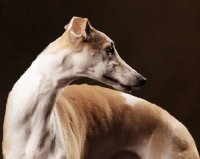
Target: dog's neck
34	97
44	80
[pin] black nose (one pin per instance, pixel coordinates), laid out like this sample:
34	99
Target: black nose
141	81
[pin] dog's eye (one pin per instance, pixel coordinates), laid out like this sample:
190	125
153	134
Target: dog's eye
110	50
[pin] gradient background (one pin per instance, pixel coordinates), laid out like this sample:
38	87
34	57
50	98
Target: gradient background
160	39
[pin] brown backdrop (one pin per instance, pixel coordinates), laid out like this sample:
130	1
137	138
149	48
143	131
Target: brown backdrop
160	39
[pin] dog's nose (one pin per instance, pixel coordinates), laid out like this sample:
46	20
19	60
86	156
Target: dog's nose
141	81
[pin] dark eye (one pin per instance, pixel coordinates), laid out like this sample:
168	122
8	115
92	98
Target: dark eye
110	50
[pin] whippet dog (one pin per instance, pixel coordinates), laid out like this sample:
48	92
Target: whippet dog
46	120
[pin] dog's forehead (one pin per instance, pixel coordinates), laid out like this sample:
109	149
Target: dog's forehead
99	39
106	38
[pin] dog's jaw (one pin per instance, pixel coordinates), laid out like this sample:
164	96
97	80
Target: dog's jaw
117	85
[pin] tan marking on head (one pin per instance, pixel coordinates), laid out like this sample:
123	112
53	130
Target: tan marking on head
79	33
80	38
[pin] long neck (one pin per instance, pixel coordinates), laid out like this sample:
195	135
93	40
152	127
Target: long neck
33	96
35	93
30	116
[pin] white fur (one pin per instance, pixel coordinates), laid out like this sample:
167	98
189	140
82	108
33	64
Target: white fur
30	95
130	100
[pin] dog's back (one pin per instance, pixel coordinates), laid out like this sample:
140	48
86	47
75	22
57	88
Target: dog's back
104	123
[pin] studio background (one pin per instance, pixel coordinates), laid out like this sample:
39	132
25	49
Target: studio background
160	39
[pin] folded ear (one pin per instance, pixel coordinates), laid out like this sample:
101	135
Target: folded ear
78	28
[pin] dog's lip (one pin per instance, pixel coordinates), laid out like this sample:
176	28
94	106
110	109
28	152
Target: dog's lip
126	87
110	78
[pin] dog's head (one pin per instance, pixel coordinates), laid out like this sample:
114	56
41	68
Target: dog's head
94	56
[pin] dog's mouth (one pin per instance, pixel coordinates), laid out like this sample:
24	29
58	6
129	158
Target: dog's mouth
125	88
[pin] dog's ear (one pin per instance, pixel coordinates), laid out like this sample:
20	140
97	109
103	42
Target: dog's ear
79	28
